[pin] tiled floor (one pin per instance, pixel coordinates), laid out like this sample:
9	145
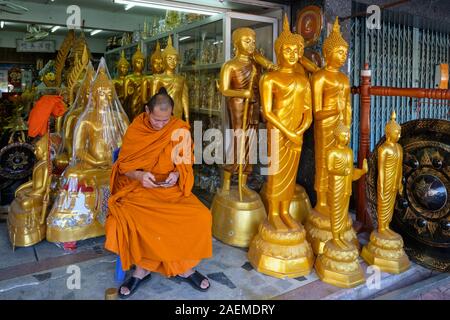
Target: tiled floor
45	271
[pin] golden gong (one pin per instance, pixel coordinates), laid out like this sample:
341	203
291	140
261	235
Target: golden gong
331	100
280	248
238	211
338	264
385	248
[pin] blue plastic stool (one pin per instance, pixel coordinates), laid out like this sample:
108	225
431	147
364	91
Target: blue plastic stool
120	273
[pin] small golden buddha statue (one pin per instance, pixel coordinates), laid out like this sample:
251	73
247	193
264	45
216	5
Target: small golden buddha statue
175	84
237	212
338	264
385	248
133	85
331	101
80	208
122	71
70	119
280	248
25	213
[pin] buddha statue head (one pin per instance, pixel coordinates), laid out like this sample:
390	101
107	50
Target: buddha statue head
41	148
138	60
244	41
122	65
102	89
170	56
156	60
393	129
335	48
342	134
288	46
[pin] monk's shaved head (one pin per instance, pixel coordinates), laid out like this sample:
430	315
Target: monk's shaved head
161	100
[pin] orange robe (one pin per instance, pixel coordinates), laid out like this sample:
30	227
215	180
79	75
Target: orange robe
166	230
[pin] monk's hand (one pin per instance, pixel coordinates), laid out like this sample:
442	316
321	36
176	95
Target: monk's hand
147	180
171	179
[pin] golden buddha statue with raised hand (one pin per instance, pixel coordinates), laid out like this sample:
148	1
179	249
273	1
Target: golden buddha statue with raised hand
385	248
122	71
175	84
280	248
133	84
331	103
338	265
80	208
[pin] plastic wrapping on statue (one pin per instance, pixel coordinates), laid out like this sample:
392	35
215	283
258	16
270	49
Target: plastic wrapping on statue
71	118
80	209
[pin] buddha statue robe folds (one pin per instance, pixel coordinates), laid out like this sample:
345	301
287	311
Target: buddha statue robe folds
133	85
79	211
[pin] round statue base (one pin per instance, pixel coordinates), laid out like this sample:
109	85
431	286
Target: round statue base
385	250
236	222
339	266
24	227
318	231
300	207
281	254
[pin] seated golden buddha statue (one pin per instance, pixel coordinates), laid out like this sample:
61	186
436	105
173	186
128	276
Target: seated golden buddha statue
71	118
27	212
122	71
175	84
79	211
132	87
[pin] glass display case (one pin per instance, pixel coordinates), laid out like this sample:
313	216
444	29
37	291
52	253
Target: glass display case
203	47
113	56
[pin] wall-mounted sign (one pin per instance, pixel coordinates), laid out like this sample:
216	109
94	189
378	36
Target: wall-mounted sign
35	46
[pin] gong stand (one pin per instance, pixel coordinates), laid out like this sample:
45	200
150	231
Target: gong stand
365	91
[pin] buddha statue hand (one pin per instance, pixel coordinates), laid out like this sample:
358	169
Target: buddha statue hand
365	167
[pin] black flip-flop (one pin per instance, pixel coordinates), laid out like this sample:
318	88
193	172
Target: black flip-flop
195	280
133	284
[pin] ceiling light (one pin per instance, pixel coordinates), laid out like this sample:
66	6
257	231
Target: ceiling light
184	38
2	24
129	6
166	5
93	33
55	28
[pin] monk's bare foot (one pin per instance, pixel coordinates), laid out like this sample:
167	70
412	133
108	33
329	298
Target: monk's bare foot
289	221
139	273
277	223
204	284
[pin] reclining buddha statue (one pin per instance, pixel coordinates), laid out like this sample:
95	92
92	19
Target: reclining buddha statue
79	211
27	212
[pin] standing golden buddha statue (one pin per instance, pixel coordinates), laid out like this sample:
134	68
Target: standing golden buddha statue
122	71
132	86
156	63
280	248
27	212
175	84
237	212
79	211
331	101
338	264
385	248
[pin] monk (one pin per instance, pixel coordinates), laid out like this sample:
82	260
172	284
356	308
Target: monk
154	221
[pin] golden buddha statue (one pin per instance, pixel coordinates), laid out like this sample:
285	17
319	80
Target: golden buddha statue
385	248
122	71
280	248
79	211
175	84
70	119
27	212
331	103
156	63
132	87
237	212
338	264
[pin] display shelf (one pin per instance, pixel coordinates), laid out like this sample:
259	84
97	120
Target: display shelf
199	67
213	112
